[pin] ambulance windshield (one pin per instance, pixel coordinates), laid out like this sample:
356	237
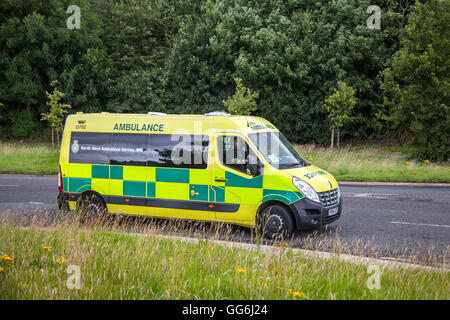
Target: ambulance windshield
277	150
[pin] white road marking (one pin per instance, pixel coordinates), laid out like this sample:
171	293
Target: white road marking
421	224
383	196
9	185
34	202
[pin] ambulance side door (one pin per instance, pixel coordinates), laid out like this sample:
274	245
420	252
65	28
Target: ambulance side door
236	178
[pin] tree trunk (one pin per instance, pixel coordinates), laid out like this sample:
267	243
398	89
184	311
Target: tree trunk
338	146
332	139
53	136
57	138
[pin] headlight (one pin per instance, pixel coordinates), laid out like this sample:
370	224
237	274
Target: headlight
306	189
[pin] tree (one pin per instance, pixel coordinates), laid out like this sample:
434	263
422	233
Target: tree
340	106
57	112
243	102
417	84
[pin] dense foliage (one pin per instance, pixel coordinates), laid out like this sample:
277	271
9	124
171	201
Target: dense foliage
181	56
418	83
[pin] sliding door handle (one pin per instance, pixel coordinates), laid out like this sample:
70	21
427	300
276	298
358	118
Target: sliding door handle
220	180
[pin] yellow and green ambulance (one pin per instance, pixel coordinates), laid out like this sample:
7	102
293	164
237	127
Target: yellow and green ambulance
211	167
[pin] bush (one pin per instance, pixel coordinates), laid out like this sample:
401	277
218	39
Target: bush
418	82
22	123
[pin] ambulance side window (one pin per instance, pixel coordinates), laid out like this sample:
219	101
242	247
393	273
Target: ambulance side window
89	147
178	151
129	149
235	153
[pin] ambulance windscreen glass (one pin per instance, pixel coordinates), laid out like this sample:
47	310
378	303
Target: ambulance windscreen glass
277	150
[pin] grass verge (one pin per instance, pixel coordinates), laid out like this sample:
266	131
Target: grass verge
374	163
28	158
118	265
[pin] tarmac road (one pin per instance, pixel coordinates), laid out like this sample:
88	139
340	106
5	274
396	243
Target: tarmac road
384	219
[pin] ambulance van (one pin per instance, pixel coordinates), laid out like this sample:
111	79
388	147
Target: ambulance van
211	167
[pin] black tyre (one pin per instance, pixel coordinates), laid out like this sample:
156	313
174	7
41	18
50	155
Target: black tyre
92	207
276	222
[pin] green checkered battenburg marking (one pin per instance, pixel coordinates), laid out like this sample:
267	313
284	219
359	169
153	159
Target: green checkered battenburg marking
200	192
134	188
100	172
151	190
116	172
172	175
233	180
79	184
216	194
285	196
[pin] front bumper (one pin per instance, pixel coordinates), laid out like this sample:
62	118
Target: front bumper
309	214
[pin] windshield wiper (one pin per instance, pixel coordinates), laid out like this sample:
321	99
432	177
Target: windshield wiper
292	165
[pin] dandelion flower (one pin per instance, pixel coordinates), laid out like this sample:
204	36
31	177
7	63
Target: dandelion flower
47	248
437	167
296	294
170	259
7	259
60	261
240	271
2	269
310	158
282	244
407	163
290	290
427	161
359	160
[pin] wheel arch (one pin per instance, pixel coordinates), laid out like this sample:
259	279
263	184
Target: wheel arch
269	203
85	194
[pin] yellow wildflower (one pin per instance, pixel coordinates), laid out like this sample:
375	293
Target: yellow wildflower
1	269
359	160
290	290
5	257
170	259
47	248
310	158
282	244
60	261
296	294
9	261
240	271
407	163
427	161
437	167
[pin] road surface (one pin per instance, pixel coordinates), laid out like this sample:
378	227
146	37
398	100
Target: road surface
381	221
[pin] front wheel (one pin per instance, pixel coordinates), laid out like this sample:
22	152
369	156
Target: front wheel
276	222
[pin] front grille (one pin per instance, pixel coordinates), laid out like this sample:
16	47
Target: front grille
329	198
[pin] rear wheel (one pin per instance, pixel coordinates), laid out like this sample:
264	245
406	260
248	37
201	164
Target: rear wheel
276	222
92	207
